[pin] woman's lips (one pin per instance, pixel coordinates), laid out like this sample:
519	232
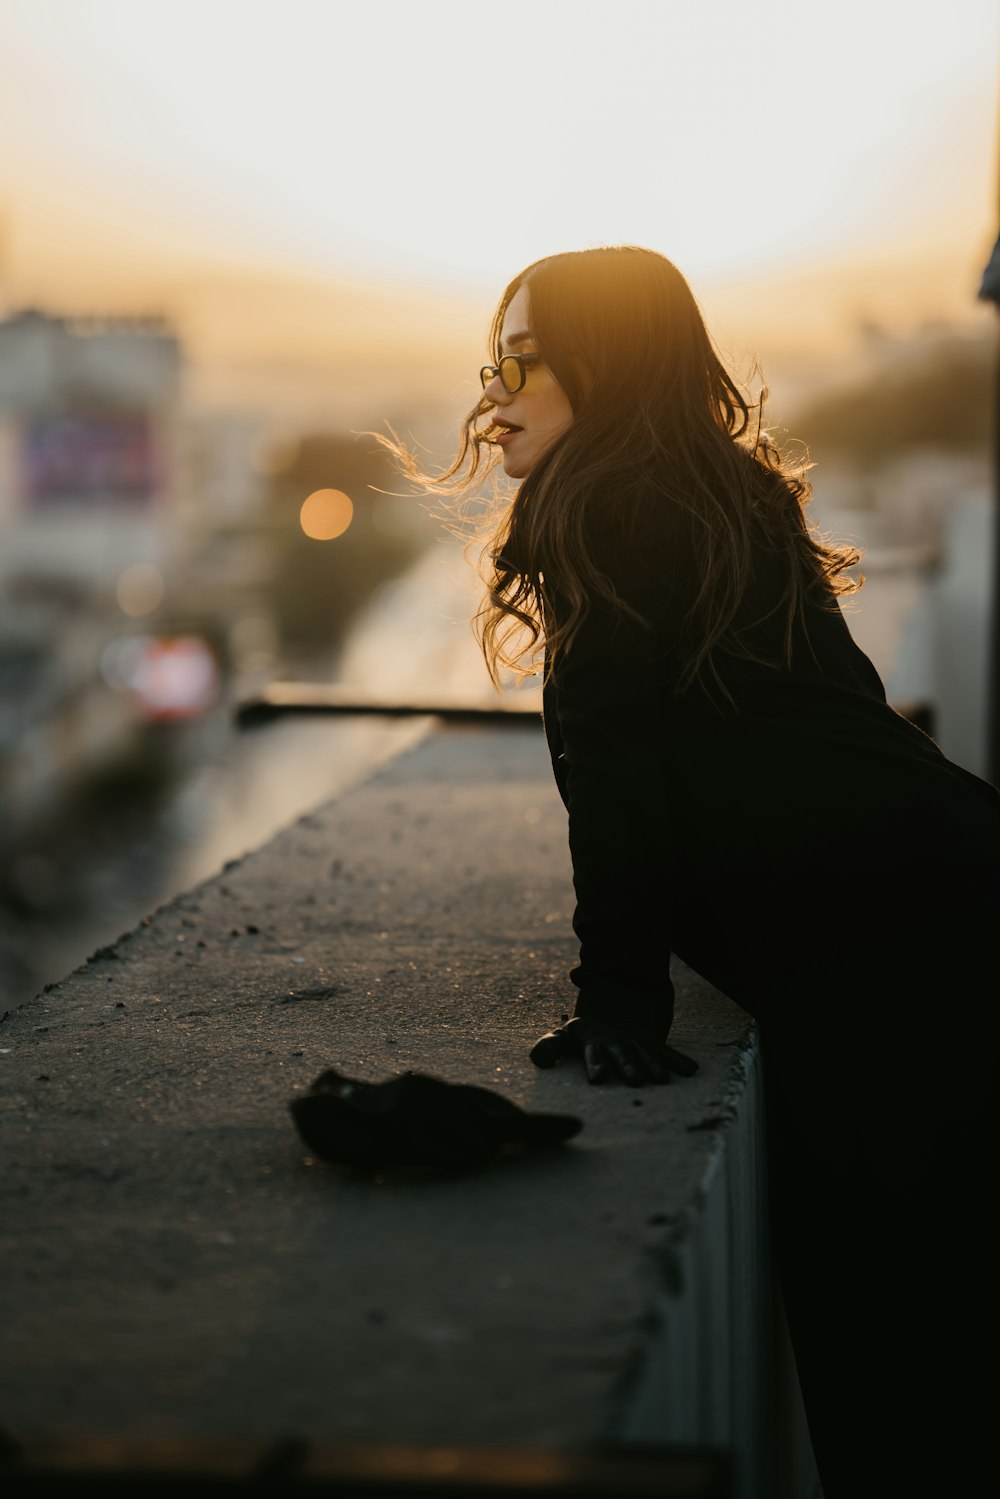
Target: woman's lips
505	432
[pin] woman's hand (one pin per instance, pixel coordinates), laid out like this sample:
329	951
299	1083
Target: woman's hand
610	1050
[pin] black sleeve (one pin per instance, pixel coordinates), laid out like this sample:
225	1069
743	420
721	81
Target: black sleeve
607	711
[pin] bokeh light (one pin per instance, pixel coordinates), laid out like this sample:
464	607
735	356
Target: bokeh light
326	513
169	677
121	659
177	677
140	589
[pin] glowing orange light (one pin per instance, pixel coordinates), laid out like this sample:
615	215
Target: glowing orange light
325	514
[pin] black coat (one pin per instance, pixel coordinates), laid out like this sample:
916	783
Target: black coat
816	857
758	830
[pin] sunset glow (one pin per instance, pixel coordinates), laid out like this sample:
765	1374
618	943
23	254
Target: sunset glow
152	149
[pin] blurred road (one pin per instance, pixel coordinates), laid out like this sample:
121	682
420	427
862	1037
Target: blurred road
110	863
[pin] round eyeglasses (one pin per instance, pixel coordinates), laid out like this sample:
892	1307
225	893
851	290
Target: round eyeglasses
512	369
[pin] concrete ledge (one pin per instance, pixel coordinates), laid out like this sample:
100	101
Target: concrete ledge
178	1267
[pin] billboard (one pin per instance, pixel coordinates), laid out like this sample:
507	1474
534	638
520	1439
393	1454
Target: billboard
86	459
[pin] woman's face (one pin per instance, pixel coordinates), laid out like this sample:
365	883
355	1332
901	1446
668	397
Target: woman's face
536	415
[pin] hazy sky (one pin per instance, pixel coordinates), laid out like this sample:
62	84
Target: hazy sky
455	142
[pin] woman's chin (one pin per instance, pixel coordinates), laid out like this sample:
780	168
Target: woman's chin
514	469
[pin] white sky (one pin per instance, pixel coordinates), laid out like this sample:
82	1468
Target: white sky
454	141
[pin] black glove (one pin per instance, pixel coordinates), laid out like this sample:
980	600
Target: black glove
610	1050
419	1120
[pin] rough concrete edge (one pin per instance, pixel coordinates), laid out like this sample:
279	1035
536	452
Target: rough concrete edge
668	1257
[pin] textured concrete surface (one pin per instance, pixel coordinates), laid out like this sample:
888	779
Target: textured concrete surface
175	1262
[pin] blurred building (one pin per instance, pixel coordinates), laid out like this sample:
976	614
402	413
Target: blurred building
88	443
89	506
152	551
943	657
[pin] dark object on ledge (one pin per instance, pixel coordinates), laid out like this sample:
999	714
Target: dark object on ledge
278	698
518	707
419	1120
989	288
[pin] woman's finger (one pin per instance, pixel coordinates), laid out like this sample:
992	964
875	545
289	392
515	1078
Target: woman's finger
656	1067
597	1061
548	1049
627	1060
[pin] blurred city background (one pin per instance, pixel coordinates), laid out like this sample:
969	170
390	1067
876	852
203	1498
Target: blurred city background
235	238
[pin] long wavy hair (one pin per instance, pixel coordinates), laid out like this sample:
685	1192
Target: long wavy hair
659	426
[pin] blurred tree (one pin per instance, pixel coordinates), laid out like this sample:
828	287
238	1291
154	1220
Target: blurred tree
937	397
317	586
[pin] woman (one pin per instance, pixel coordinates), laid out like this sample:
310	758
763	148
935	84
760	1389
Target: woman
740	794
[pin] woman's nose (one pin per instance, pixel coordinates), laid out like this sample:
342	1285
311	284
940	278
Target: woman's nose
496	392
